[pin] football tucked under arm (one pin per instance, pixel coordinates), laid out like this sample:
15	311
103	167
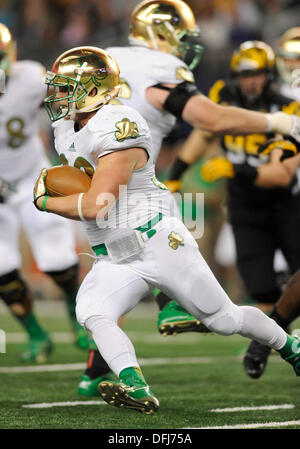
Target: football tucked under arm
65	180
113	170
60	181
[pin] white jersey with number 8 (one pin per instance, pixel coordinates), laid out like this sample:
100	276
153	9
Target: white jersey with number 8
20	144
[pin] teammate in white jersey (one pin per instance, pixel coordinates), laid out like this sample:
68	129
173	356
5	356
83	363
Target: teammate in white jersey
288	63
51	238
140	69
133	256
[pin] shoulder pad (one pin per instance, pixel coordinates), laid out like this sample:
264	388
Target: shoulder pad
108	115
170	69
117	127
184	74
293	107
284	103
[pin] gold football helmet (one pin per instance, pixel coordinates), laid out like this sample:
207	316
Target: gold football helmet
288	54
8	49
253	56
168	26
88	76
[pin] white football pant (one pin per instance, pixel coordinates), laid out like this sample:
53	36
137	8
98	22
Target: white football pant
111	290
50	236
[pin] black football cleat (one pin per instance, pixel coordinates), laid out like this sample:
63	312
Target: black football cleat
255	359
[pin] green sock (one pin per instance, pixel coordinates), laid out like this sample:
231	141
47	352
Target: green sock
132	375
71	305
155	292
289	347
33	328
92	344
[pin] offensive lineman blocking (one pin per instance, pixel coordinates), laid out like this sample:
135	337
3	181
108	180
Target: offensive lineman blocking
148	247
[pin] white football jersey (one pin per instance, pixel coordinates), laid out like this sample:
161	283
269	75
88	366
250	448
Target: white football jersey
141	68
114	128
20	144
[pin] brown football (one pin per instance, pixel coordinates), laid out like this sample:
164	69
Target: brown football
64	180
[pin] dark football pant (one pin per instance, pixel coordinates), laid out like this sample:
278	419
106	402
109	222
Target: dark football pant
256	245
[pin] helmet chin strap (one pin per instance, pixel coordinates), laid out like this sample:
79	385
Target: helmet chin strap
137	42
80	72
107	98
72	115
176	51
152	37
170	27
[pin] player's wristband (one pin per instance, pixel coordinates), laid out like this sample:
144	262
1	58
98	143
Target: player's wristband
245	172
177	169
79	207
44	203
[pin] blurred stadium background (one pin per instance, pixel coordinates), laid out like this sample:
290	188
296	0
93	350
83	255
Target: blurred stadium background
43	30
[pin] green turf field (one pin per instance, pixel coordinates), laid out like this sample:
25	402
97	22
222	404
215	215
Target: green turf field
191	374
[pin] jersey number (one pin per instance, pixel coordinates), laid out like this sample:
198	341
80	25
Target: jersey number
15	129
247	144
80	163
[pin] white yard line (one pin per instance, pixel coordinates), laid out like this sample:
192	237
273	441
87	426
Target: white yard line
252	426
42	368
63	404
138	336
235	409
57	308
44	405
57	337
150	361
246	409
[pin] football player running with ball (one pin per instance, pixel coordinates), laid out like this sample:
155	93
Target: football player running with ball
157	81
138	244
22	156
